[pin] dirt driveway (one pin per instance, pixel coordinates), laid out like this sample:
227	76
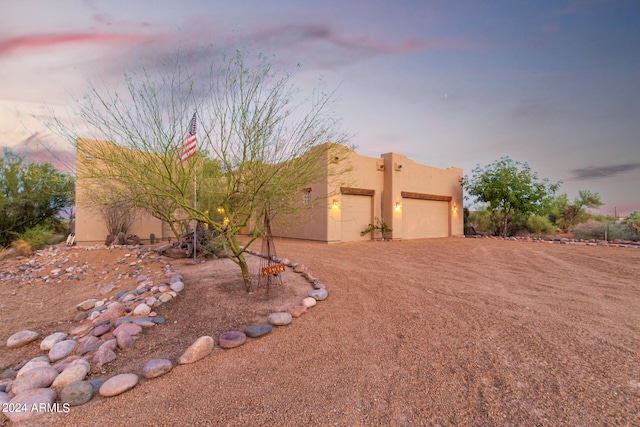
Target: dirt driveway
431	332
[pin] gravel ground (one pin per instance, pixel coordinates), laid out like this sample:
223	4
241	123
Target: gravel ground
445	332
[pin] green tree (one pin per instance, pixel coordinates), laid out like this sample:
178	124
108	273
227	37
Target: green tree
509	188
259	144
567	214
30	195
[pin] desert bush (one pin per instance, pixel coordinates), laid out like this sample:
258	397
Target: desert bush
39	236
591	229
21	247
539	225
482	221
625	230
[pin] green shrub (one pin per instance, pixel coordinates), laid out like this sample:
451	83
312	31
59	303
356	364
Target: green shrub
539	225
38	236
625	230
483	222
591	229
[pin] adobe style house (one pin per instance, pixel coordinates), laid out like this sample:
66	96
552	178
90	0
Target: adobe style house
415	201
90	227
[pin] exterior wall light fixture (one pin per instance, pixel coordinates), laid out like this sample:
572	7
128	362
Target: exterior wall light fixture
334	204
454	208
397	206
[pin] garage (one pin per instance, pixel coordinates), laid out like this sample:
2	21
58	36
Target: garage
356	215
425	218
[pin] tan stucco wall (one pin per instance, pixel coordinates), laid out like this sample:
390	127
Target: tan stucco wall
90	227
404	175
385	179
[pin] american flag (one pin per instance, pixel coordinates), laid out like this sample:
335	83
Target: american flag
189	142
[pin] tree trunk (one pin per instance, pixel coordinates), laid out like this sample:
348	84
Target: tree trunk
245	272
504	224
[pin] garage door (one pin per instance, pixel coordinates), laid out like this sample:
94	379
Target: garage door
356	215
424	218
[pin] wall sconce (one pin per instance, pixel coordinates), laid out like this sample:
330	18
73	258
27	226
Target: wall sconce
334	204
397	207
454	208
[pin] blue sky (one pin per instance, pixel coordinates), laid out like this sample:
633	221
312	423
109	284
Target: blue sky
447	83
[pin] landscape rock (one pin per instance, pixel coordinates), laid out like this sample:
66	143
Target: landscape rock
279	319
71	373
177	286
141	310
77	393
81	330
103	356
51	340
309	302
318	294
156	367
100	330
128	327
231	339
21	338
112	312
201	348
36	362
34	378
87	344
61	350
124	340
29	398
118	384
255	331
87	304
297	310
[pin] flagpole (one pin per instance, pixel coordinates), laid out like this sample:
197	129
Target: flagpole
195	198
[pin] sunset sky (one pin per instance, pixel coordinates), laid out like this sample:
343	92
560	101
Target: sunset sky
447	83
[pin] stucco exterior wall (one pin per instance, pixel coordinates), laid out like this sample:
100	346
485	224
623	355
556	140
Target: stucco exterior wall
433	199
414	200
90	227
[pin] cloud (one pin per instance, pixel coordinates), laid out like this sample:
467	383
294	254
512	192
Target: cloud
331	47
41	41
600	172
38	148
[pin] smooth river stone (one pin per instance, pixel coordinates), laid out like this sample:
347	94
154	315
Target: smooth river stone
29	398
279	319
130	328
319	294
51	340
35	378
309	302
77	393
21	338
156	367
201	348
118	384
231	339
177	286
70	374
36	362
61	350
255	331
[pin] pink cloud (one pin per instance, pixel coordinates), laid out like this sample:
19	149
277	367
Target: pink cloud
40	41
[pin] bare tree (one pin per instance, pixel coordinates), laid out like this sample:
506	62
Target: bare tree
259	143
